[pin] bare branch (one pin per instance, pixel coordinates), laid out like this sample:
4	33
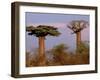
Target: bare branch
77	25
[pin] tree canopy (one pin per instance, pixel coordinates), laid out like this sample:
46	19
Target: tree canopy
77	25
43	30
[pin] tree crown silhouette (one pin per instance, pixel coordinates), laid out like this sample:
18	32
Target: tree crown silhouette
43	30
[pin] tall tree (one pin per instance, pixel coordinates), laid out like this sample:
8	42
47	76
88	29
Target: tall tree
41	32
77	26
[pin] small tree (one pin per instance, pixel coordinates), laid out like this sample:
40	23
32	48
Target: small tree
83	48
77	26
41	32
60	54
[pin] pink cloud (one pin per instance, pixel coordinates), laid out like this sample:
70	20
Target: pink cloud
58	25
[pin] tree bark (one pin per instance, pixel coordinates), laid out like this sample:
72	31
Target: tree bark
42	60
78	41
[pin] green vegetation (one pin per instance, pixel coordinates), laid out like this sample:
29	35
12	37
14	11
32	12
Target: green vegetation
61	56
41	32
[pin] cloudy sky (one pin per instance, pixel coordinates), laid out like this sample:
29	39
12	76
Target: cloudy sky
57	20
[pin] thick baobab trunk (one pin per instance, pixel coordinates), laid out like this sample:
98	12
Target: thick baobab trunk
42	60
78	41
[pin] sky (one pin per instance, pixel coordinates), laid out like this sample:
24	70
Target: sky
57	20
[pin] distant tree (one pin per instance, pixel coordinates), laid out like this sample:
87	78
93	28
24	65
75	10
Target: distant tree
77	26
83	53
41	32
83	48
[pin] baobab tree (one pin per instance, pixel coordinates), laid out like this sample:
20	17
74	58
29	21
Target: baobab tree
41	32
77	26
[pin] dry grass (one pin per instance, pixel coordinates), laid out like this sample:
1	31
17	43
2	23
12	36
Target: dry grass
60	56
